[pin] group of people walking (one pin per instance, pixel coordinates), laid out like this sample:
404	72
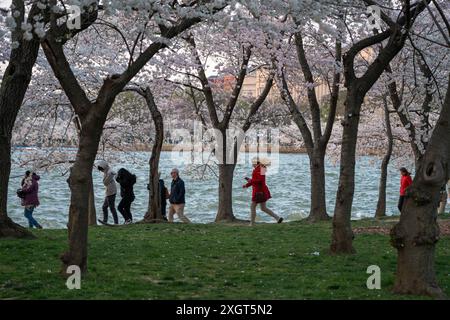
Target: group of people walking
127	181
176	197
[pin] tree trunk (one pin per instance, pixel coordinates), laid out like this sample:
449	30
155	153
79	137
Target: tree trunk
226	173
154	204
342	236
14	85
225	210
381	205
92	211
8	229
318	202
417	233
79	182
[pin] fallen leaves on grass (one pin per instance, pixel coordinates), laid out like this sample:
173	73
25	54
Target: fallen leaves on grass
444	225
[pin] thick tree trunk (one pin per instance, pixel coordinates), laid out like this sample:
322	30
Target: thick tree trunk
8	229
14	85
79	183
417	233
381	204
154	204
318	201
92	210
226	173
342	236
225	210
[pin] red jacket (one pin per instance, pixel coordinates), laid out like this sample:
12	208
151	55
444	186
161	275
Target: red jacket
405	182
258	184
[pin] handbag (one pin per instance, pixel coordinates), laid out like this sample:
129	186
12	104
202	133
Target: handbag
259	197
20	193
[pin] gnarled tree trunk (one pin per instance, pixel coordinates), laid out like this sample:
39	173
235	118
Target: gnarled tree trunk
417	233
154	213
381	204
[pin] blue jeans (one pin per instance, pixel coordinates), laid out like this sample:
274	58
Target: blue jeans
29	215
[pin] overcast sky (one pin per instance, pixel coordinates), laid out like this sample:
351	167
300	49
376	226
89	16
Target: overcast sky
5	3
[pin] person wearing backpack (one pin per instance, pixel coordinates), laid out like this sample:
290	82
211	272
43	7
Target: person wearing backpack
126	181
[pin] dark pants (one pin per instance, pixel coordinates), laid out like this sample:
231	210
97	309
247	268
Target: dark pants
125	207
401	200
164	210
110	202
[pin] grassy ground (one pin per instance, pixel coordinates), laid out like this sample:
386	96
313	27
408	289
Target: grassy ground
287	261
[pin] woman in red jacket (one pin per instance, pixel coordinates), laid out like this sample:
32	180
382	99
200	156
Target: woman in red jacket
260	192
405	182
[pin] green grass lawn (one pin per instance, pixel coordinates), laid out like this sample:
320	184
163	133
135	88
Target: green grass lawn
207	262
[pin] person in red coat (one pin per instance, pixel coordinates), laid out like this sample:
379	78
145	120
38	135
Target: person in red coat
260	191
405	182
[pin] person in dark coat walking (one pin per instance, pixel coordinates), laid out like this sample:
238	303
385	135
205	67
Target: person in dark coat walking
126	180
177	197
30	200
260	191
164	194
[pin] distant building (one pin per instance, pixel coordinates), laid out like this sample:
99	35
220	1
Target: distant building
255	83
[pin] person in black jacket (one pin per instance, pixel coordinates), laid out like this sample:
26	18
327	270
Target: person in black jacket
177	197
126	181
164	194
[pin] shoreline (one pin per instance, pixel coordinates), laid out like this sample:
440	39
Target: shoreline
171	148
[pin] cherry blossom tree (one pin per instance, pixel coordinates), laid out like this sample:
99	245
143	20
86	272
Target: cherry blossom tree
417	233
26	24
237	47
357	87
305	44
159	23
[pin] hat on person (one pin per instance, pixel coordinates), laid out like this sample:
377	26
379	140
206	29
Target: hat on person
103	164
265	162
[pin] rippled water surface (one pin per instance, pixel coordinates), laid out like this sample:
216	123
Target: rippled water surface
289	185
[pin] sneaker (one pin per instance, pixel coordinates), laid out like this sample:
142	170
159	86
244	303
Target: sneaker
102	221
128	222
280	220
39	226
